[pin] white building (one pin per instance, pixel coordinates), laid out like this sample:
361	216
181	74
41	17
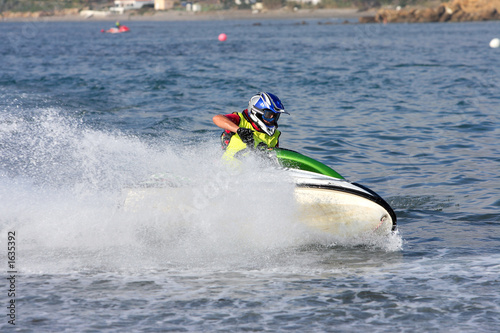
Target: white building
123	5
310	2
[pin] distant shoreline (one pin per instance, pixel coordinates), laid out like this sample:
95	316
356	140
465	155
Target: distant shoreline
453	11
219	15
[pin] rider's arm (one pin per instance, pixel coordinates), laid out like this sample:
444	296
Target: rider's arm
226	123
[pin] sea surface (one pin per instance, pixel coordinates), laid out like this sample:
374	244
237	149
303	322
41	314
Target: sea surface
408	110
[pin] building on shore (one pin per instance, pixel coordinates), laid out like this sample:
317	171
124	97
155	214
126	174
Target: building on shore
164	4
123	5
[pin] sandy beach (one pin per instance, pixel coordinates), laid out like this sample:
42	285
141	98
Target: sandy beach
285	13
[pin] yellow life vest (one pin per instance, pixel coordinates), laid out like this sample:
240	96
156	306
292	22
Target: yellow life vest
237	147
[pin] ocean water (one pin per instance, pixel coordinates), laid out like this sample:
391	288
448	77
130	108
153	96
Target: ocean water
409	110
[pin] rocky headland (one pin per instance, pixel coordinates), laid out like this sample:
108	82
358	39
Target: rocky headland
453	11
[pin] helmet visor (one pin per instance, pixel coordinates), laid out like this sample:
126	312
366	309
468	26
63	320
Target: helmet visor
270	116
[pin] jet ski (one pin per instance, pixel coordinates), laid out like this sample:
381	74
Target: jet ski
326	201
118	30
329	203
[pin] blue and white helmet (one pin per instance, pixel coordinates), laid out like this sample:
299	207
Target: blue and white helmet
264	109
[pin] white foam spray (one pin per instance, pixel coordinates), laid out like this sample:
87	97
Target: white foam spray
63	184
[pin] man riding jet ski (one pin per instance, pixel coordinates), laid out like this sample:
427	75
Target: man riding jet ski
328	202
256	126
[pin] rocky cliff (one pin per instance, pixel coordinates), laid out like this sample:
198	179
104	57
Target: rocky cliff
454	11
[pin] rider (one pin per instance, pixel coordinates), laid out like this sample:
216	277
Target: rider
255	127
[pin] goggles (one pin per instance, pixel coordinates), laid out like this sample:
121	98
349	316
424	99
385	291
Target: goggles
270	116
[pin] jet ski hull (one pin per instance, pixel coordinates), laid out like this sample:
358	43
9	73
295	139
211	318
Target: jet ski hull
326	202
339	207
330	203
341	213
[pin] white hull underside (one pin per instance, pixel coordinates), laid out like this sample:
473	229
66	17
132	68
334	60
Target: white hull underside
341	213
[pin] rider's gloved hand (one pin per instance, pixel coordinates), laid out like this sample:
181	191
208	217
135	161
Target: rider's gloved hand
246	135
262	146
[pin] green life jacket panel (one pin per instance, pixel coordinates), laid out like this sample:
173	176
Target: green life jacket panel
236	146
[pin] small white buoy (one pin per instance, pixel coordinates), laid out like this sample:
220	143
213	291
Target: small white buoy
495	42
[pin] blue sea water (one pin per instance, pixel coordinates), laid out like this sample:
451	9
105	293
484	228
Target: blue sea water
409	110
